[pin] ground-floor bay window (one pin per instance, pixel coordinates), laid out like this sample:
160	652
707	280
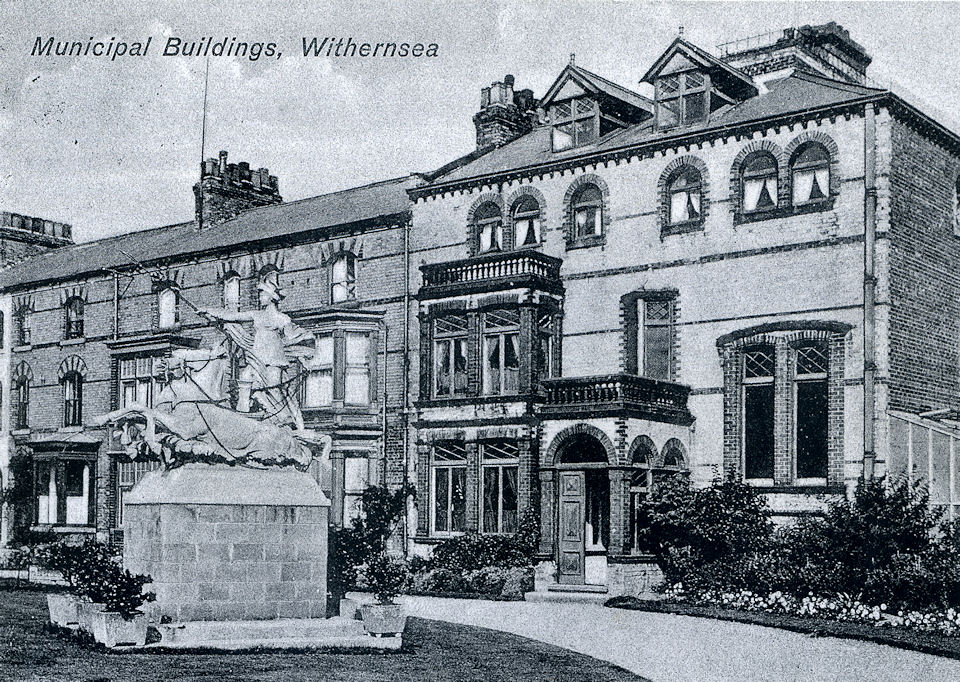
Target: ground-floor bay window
448	488
500	464
63	490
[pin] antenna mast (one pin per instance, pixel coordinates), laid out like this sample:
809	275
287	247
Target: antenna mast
203	140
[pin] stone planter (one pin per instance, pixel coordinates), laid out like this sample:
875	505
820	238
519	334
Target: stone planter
64	609
112	630
383	619
349	609
86	611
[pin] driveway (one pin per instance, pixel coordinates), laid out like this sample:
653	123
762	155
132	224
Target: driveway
667	647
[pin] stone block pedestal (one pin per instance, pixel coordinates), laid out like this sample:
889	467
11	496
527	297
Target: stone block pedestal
229	543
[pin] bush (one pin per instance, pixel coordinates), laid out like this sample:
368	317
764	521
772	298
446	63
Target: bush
98	577
491	582
473	551
123	592
64	558
385	577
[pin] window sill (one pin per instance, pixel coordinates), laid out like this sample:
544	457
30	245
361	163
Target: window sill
475	400
783	212
20	432
73	342
681	228
22	348
586	242
62	528
71	429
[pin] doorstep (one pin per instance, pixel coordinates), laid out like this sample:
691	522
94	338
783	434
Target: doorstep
583	594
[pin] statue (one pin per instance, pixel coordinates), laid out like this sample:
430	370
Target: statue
191	419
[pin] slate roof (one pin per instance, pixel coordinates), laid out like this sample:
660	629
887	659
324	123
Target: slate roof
601	84
794	93
358	204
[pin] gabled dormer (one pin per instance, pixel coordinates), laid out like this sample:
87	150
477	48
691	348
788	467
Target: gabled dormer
691	85
583	107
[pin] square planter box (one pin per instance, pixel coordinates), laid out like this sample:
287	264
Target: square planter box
383	619
64	609
86	610
111	630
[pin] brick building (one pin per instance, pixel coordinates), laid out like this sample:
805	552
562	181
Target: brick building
753	271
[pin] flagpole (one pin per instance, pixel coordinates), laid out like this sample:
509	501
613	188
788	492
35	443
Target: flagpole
203	140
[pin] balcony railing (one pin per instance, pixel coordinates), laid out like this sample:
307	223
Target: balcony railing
493	270
647	398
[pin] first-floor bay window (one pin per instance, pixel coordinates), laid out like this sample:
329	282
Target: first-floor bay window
450	356
318	387
448	488
63	490
501	352
138	382
357	369
500	465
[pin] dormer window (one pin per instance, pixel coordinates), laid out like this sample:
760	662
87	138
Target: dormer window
575	123
682	99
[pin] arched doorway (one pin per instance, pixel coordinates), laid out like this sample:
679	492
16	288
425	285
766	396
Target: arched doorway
583	523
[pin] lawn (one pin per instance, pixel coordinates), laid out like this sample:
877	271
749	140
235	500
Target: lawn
432	651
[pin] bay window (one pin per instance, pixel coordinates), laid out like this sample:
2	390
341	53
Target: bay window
138	381
450	355
318	386
357	369
340	373
811	396
63	491
500	463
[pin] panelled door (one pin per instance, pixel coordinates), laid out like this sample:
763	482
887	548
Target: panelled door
570	528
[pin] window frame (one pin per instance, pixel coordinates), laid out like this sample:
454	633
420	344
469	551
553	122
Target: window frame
644	323
745	383
498	464
24	327
347	285
447	466
595	206
573	119
453	339
502	333
810	378
680	95
21	406
229	282
144	376
72	384
676	176
168	296
493	221
747	174
806	166
74	312
320	367
532	216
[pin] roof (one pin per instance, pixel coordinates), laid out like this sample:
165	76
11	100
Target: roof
795	93
598	84
358	204
733	79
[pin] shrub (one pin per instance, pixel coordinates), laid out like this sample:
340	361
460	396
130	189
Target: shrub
123	592
385	577
473	551
64	558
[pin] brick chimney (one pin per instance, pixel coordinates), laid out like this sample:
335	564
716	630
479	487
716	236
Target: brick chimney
504	114
826	49
226	190
22	236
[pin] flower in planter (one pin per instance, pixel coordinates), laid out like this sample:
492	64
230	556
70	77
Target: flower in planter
385	577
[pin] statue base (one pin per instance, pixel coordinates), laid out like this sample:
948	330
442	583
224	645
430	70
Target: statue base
229	543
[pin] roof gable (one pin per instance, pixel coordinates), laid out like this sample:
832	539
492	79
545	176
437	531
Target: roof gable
681	56
575	81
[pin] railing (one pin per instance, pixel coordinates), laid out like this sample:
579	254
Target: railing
749	43
625	391
492	267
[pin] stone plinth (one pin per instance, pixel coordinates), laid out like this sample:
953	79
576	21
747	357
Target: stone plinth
229	543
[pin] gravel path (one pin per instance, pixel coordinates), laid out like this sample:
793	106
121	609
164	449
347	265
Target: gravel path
668	647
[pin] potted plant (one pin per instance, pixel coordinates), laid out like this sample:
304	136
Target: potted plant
385	577
66	560
91	576
120	622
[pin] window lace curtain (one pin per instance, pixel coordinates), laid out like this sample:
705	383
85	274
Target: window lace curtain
754	196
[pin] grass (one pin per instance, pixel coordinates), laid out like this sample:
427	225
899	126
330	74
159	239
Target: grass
432	651
927	643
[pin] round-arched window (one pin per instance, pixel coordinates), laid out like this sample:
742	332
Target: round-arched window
685	196
587	207
759	183
526	222
810	173
489	226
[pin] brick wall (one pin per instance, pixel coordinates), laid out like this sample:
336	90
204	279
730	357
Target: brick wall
924	277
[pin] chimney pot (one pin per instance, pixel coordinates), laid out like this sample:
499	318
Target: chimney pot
223	161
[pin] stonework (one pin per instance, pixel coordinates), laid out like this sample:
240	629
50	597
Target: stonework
227	543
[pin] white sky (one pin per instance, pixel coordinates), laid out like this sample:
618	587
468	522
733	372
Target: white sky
114	146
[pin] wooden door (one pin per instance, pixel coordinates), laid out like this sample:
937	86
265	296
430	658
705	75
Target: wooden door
570	569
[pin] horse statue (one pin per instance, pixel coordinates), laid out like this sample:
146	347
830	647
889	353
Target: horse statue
191	421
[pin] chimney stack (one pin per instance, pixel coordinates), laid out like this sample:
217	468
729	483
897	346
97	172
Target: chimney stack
227	189
505	114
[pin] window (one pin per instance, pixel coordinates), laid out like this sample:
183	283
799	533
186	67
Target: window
810	173
526	222
355	481
501	352
138	382
674	455
169	308
319	382
759	183
448	488
685	196
63	492
681	99
655	347
587	208
489	226
544	347
21	402
23	327
74	318
758	413
574	123
450	356
640	482
811	399
343	278
339	373
357	371
72	399
128	475
500	465
231	293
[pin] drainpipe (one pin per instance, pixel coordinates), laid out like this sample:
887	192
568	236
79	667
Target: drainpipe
405	381
869	285
116	306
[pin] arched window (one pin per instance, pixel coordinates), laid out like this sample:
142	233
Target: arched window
343	278
674	455
587	208
72	399
21	399
489	227
231	292
758	183
759	368
642	454
810	173
169	308
526	222
73	309
23	332
685	196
